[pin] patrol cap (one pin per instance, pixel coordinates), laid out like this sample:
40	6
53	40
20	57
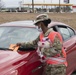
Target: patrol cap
41	17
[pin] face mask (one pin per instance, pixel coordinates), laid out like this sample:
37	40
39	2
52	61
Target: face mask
39	29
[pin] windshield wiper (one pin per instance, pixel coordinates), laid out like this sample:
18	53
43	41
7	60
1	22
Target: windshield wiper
5	49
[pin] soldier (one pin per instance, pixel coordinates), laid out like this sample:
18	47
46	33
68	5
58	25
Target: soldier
49	44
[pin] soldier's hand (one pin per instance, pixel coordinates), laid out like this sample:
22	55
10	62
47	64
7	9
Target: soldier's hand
18	44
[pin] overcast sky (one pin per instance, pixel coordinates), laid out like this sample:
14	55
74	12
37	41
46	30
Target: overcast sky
15	3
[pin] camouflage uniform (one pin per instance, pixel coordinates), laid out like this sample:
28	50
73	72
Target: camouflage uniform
59	69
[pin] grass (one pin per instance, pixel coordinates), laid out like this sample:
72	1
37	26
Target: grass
68	18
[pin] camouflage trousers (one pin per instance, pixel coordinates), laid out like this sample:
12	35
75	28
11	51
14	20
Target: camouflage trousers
59	69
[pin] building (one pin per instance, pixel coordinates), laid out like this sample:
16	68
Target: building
47	5
74	8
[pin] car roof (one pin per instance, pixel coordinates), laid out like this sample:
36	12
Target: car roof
29	23
56	23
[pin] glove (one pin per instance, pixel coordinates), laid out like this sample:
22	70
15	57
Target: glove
18	44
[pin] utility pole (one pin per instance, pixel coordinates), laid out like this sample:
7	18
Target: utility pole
59	6
33	6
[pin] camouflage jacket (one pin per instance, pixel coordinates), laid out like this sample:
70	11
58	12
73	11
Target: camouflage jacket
54	50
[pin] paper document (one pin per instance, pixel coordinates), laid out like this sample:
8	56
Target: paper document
13	47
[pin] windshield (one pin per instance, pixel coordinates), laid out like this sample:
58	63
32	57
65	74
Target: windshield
13	35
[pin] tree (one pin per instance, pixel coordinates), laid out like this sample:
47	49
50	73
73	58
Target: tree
1	5
66	9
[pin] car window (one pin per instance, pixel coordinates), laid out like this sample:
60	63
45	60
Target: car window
13	35
72	33
1	31
64	32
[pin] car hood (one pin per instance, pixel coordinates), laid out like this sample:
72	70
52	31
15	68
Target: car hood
8	58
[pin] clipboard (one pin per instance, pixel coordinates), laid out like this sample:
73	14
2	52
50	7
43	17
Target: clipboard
13	47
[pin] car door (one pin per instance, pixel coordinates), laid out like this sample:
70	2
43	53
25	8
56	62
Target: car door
28	64
34	65
69	43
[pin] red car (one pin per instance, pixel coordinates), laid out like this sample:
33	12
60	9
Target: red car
26	61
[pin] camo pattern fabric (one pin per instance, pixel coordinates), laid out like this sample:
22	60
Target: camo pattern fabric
50	52
59	69
55	49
